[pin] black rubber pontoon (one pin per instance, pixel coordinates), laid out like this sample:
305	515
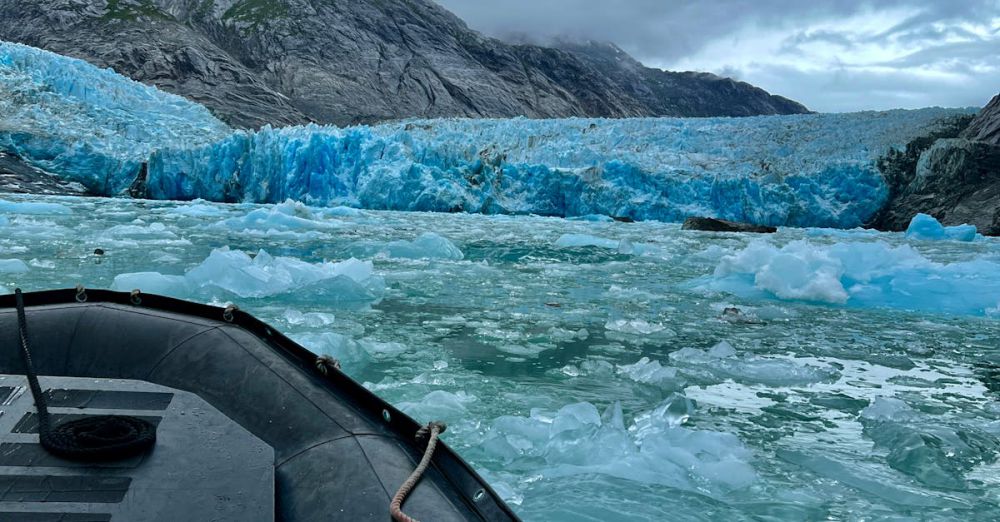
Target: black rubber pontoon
248	428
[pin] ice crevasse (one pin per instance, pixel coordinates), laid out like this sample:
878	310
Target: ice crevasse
93	126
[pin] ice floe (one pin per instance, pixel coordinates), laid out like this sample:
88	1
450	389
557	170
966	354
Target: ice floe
862	274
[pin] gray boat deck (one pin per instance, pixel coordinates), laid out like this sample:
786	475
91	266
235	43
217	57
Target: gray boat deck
204	467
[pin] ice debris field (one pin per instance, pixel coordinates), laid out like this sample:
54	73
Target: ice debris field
597	370
97	128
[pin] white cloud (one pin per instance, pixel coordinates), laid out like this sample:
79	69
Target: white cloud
840	55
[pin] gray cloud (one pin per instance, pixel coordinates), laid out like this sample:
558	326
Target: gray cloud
832	55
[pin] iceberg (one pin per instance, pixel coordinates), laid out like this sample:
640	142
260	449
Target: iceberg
655	449
926	227
234	273
87	124
858	274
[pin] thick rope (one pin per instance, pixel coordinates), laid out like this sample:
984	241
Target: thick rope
93	438
430	432
324	363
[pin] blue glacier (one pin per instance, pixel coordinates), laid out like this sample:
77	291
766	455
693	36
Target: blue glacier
87	124
95	127
811	170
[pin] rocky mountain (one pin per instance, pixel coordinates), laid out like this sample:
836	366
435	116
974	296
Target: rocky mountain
986	125
256	62
953	175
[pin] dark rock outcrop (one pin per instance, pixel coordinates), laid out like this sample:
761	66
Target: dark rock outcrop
18	176
955	179
986	126
256	62
721	225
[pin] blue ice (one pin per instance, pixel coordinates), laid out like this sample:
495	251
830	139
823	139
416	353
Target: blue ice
859	274
87	124
926	227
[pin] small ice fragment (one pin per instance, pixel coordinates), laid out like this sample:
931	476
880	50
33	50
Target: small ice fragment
925	227
427	246
13	266
634	326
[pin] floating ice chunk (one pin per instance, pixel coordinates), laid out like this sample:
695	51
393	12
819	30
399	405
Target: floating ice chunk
796	271
888	409
439	405
238	274
287	216
923	226
151	283
594	218
858	274
577	440
152	231
426	246
557	334
198	209
722	362
42	263
633	326
934	453
835	470
33	208
13	266
263	275
652	372
722	350
342	212
349	352
586	240
309	319
671	413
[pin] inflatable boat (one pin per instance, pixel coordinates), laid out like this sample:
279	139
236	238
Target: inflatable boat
130	407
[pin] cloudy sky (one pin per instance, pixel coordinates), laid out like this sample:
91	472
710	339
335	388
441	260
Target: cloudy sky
831	55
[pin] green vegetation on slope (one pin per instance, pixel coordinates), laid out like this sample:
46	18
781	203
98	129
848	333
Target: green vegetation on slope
256	11
130	11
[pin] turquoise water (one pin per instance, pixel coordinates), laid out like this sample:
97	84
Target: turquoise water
606	381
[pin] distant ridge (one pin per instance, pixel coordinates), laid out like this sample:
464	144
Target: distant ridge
280	62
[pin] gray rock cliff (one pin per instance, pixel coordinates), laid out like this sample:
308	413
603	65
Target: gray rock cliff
279	62
953	175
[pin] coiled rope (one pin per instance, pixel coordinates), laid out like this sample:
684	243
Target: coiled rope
93	438
429	432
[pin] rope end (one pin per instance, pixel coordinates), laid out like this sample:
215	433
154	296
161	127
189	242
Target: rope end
434	426
324	363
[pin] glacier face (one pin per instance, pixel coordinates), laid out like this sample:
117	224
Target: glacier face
95	127
87	124
809	170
